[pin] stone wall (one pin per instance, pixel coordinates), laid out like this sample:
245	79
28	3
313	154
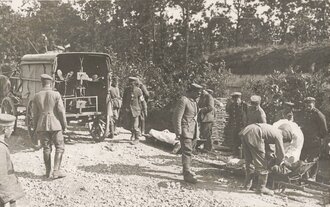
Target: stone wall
218	135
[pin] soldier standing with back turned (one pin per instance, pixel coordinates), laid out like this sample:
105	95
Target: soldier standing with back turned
49	121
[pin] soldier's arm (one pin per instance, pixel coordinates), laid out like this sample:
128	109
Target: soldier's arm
126	100
3	166
228	106
279	149
210	105
61	111
263	117
322	123
177	116
145	91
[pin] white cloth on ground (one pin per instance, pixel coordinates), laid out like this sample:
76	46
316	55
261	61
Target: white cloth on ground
164	136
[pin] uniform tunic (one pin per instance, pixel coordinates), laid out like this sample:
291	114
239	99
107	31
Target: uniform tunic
256	115
236	122
256	139
314	127
206	118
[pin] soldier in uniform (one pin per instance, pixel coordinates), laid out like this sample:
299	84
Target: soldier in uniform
144	111
256	139
132	104
10	188
114	96
206	118
186	127
255	114
314	128
236	109
49	122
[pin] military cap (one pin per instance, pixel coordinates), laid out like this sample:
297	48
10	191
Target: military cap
210	91
132	78
195	86
7	120
255	99
288	103
236	94
309	99
46	77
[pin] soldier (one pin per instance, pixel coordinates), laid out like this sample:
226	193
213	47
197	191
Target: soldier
236	109
49	122
186	127
256	139
116	104
206	118
255	114
314	127
144	112
132	104
10	188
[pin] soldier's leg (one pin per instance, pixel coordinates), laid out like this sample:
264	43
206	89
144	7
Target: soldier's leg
236	141
208	135
142	122
115	120
260	163
136	130
249	171
186	148
46	142
59	145
314	156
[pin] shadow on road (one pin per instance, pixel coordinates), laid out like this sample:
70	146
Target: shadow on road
126	170
30	175
20	141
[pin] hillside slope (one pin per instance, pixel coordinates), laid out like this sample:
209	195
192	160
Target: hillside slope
264	60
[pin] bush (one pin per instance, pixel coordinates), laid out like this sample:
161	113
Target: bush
168	81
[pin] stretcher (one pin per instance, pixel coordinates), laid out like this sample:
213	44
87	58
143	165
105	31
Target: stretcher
296	180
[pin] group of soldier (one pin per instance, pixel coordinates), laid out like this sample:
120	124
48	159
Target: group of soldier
193	118
49	122
248	127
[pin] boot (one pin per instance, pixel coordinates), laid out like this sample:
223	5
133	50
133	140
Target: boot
135	137
57	165
262	181
48	163
189	178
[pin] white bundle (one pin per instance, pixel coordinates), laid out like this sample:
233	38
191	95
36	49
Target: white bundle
164	136
292	149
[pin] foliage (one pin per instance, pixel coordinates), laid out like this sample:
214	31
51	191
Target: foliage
289	86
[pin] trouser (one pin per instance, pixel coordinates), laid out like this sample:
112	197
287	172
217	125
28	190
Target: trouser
186	148
134	125
142	122
48	138
310	153
115	118
254	156
234	136
206	133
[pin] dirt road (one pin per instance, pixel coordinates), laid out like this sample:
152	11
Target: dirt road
116	173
